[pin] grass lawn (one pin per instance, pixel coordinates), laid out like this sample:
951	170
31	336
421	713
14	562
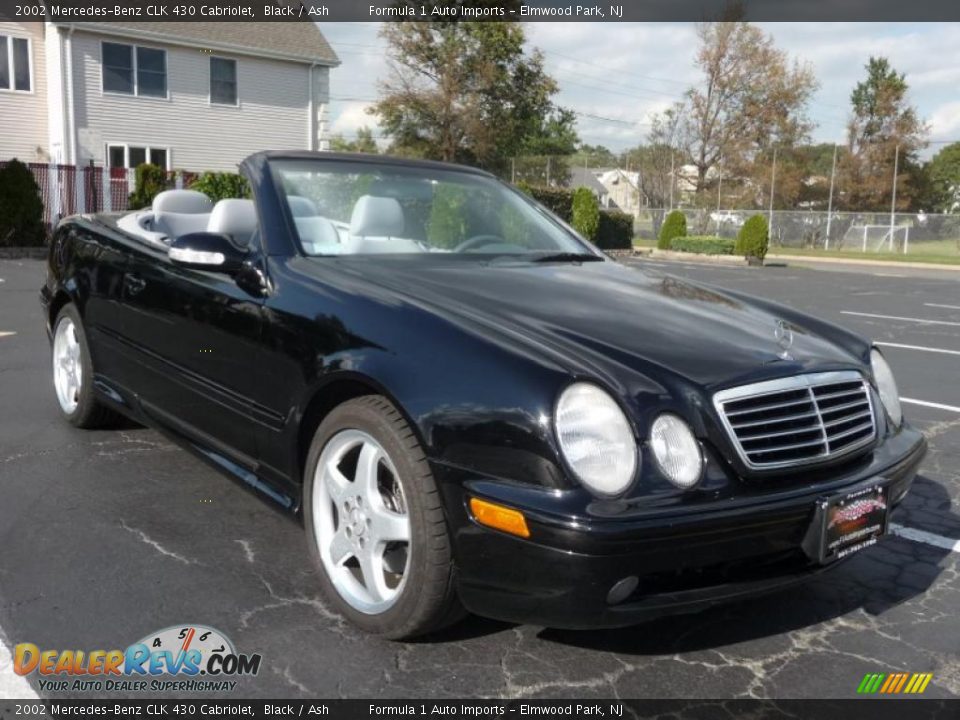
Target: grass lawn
945	252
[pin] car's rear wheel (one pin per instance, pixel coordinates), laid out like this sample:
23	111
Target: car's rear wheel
375	523
73	373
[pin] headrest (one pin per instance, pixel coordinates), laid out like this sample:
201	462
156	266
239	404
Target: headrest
317	234
182	201
302	206
237	218
376	217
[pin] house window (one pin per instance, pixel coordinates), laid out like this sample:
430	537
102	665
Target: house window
15	71
134	70
223	81
129	156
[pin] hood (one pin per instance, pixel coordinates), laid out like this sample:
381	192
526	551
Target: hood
604	312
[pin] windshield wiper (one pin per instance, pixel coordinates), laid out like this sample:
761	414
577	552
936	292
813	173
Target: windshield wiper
566	257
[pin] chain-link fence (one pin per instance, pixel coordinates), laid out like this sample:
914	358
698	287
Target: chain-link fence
908	233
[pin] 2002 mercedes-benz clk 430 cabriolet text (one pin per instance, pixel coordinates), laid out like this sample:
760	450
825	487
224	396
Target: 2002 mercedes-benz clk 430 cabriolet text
471	407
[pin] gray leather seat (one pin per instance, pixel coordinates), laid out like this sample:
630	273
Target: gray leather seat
180	212
302	206
236	218
376	226
318	235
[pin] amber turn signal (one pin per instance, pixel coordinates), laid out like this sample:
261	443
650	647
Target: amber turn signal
499	517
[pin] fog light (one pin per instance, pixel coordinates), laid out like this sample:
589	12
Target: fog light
499	517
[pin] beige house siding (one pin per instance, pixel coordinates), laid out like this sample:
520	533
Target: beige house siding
23	116
273	113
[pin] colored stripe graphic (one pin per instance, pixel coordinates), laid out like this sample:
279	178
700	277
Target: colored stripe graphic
894	683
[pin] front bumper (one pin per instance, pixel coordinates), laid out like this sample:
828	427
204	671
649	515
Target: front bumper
683	561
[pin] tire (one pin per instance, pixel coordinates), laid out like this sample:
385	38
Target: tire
410	590
71	357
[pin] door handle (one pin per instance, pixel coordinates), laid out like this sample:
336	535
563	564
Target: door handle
134	284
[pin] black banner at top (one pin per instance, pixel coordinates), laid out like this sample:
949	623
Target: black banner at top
80	11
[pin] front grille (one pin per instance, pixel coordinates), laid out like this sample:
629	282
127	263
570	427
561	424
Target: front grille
798	420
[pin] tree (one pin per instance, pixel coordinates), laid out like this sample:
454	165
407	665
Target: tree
882	122
943	176
467	92
21	207
364	142
751	101
594	156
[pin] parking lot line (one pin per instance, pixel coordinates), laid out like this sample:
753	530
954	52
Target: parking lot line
6	334
897	317
12	686
949	307
925	537
917	347
925	403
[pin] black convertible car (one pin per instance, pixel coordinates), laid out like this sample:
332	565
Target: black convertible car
470	406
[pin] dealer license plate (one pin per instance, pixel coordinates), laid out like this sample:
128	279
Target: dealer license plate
852	522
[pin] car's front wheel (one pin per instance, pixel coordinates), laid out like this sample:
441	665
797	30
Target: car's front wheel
73	373
375	523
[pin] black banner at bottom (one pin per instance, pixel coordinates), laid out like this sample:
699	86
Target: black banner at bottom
875	708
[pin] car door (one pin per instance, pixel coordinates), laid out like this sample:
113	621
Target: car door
196	334
98	260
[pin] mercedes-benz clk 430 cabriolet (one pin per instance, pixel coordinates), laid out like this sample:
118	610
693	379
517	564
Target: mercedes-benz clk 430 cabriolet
468	405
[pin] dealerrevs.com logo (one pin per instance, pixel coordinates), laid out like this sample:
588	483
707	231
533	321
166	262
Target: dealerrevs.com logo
182	658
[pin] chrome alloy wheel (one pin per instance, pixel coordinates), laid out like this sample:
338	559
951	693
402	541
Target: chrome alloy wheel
67	365
362	527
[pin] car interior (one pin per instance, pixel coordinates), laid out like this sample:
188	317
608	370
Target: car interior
376	224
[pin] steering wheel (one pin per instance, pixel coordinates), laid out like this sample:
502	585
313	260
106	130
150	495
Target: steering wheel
477	241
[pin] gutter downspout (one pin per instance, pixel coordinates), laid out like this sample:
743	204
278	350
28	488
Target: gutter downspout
312	143
70	121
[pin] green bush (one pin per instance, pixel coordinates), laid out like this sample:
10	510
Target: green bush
704	245
674	226
558	200
150	182
753	238
221	185
615	231
585	214
21	207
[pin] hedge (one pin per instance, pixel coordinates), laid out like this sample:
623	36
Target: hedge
558	200
585	216
704	245
151	180
615	231
674	226
221	185
21	208
753	238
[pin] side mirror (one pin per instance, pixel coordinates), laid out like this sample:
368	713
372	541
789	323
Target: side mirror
207	251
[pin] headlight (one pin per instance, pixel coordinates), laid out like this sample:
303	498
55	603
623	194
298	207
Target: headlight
886	386
596	439
676	450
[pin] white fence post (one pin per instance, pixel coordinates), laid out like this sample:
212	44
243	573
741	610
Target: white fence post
105	189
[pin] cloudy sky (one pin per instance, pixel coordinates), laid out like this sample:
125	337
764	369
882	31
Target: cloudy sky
615	76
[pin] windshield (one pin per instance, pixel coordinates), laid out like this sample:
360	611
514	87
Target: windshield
354	208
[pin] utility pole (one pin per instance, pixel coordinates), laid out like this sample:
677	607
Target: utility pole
893	202
673	180
719	188
833	173
773	182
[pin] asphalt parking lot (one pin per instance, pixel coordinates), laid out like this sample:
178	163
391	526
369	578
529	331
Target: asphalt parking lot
106	536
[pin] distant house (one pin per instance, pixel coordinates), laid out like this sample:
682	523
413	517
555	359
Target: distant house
188	95
624	189
585	177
